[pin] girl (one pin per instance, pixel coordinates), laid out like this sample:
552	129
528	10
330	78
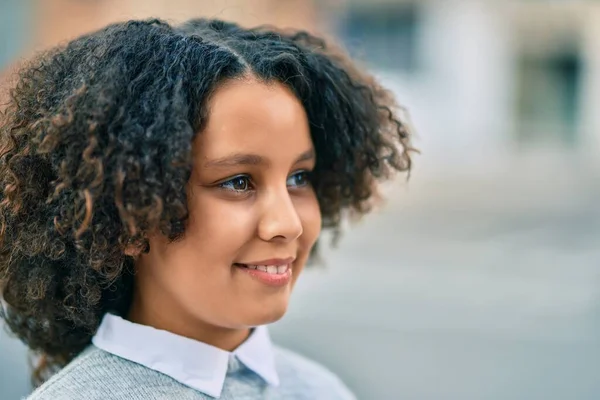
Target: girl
162	188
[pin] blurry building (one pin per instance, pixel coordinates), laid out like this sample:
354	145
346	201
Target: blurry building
486	81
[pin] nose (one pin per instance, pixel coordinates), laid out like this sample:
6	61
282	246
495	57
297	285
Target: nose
280	219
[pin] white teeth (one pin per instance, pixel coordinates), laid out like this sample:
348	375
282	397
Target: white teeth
270	269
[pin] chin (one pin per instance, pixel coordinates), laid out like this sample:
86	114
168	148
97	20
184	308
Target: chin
263	315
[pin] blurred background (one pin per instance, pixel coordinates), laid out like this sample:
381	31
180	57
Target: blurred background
480	277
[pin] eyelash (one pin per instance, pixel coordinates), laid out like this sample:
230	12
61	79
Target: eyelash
248	182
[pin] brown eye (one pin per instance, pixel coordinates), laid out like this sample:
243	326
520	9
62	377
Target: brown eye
237	184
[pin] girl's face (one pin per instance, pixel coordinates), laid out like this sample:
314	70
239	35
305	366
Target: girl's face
254	217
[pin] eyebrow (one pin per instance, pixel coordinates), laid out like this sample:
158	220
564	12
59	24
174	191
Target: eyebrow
250	159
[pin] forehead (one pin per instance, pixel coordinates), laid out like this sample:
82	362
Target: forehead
254	117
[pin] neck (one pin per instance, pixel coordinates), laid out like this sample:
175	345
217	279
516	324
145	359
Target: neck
162	316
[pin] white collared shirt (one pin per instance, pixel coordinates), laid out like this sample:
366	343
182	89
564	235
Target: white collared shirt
198	365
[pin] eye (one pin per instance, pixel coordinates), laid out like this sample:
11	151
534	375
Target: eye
299	179
237	184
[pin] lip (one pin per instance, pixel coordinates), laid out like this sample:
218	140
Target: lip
273	261
273	280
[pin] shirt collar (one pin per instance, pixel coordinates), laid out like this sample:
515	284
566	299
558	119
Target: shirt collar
198	365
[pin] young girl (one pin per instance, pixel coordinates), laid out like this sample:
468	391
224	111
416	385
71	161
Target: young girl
162	188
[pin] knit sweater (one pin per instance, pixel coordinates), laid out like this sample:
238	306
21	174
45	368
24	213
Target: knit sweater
98	375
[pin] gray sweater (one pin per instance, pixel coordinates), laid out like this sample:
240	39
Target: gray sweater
99	375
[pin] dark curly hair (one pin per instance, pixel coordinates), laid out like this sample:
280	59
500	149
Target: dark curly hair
95	152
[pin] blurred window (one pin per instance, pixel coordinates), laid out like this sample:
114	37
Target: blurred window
384	35
547	102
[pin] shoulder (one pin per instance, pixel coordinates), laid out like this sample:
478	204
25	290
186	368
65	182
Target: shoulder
298	373
99	375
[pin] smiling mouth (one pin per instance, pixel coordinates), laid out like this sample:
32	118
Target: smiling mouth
269	269
276	276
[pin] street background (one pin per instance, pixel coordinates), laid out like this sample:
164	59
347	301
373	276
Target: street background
479	278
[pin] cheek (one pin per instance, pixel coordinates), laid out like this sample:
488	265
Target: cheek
218	225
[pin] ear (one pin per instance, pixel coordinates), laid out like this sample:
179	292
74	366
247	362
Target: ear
137	248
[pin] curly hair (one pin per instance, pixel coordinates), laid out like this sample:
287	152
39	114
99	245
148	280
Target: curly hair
95	153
